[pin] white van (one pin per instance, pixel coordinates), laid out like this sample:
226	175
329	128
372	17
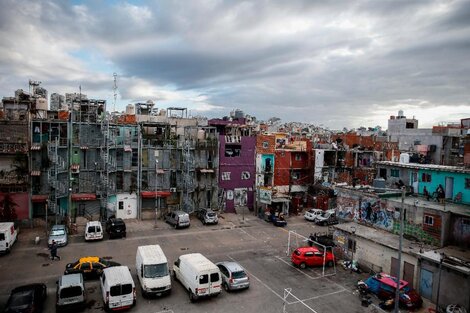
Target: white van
117	288
152	270
70	293
198	275
8	235
93	231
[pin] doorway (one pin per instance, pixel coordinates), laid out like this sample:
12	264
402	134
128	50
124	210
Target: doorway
449	187
425	285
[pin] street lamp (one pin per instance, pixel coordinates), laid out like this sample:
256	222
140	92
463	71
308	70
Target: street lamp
400	243
439	282
353	246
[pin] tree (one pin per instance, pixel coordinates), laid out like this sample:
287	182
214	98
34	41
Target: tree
8	209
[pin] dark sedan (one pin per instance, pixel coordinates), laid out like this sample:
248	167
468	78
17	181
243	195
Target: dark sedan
90	266
28	298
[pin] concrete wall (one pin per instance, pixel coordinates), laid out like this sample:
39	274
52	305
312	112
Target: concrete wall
439	177
454	287
373	255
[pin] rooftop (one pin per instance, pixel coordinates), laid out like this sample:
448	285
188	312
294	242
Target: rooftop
433	167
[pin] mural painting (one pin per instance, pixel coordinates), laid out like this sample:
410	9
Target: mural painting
366	210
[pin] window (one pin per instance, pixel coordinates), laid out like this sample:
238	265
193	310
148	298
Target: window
426	178
429	220
2	237
394	172
232	150
204	279
308	254
298	157
467	183
121	205
352	245
265	145
214	277
225	176
70	292
85	266
245	175
119	290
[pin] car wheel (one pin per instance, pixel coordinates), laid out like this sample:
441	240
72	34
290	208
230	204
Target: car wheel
303	265
175	226
192	297
225	285
329	263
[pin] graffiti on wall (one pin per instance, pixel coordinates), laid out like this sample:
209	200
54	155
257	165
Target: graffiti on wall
366	210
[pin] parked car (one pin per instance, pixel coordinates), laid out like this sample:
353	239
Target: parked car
59	234
311	256
90	266
177	219
118	288
115	227
234	276
198	275
70	293
277	219
384	286
311	215
8	236
207	216
327	218
93	231
28	298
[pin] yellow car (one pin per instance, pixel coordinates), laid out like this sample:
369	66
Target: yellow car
90	266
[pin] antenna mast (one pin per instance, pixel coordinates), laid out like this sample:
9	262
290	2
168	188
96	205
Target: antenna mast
115	91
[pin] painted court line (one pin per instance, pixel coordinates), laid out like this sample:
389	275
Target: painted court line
279	296
249	235
321	296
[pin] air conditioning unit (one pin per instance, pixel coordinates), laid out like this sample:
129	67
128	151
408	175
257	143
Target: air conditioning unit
172	189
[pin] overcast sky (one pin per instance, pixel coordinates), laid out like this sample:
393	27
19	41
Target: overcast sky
332	63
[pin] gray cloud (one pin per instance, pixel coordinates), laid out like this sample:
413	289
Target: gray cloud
329	62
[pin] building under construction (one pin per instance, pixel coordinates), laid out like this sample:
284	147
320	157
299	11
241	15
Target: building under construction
83	161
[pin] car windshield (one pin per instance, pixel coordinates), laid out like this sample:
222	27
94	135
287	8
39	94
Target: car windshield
210	214
57	232
239	274
69	292
22	298
156	270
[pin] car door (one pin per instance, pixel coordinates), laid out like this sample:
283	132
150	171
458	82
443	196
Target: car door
225	273
309	260
317	259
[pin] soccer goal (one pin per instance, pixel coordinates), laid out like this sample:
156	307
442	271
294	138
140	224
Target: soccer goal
296	240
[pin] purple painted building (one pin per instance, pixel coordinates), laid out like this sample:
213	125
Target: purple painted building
237	169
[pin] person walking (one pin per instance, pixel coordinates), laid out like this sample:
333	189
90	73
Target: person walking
53	249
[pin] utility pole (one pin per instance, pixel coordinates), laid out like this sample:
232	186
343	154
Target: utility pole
156	187
400	243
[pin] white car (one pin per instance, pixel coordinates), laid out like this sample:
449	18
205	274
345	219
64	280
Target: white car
312	214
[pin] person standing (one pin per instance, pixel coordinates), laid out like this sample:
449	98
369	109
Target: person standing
53	249
440	193
426	193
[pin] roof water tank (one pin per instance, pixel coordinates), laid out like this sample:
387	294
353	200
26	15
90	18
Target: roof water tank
130	109
400	113
404	158
379	183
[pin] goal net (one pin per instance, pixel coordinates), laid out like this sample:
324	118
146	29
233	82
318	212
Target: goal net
296	240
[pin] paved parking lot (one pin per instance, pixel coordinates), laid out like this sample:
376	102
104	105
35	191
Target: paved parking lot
258	246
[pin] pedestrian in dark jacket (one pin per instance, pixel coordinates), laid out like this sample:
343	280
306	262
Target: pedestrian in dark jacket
53	249
440	193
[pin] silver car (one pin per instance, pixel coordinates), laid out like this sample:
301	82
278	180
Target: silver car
59	234
234	276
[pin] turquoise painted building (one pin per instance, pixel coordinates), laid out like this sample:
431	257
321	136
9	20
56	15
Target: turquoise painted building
455	181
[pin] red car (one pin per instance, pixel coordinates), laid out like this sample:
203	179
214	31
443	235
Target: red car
311	256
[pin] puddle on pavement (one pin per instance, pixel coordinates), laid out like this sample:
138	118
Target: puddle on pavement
90	304
42	254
